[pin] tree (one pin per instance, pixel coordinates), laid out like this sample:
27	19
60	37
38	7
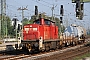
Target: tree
61	28
10	28
32	19
25	21
5	26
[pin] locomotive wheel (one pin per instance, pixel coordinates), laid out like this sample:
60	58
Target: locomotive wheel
58	45
66	45
83	41
47	48
76	43
71	44
61	46
24	48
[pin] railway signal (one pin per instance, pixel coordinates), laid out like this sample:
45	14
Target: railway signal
82	10
61	10
15	23
61	14
19	27
36	10
82	6
79	9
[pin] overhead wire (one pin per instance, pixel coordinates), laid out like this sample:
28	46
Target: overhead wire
14	10
46	2
41	3
46	5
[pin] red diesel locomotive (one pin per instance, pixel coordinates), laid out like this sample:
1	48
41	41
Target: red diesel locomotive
41	35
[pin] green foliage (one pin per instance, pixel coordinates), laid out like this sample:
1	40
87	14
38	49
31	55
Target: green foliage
7	28
10	28
61	28
31	21
33	17
25	21
86	0
83	56
11	31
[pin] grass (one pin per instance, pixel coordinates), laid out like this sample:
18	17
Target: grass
83	56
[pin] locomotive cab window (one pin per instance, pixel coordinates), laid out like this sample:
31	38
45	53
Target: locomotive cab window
37	21
47	22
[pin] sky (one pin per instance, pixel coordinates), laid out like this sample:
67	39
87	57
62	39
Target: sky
45	6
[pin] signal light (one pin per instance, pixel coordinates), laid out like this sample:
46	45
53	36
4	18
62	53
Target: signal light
19	27
79	8
36	10
77	5
61	20
77	13
15	23
61	10
81	16
82	6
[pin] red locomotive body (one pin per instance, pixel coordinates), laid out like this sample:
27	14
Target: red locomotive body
41	28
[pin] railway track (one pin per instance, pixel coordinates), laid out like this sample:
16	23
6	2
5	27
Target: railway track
68	55
59	55
64	54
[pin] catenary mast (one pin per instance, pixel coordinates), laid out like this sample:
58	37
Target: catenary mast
3	19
